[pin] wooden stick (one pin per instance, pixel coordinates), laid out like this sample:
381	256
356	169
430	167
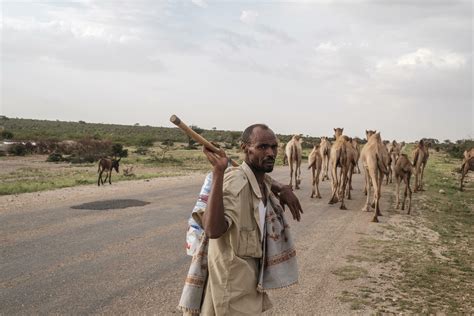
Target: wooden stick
198	138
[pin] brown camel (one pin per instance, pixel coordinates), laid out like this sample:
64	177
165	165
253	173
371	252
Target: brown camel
374	158
315	162
325	151
342	156
281	151
395	152
420	158
294	151
467	164
403	170
355	144
368	133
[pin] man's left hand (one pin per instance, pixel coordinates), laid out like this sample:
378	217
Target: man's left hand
288	197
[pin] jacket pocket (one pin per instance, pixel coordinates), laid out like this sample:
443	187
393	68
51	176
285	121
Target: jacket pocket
249	243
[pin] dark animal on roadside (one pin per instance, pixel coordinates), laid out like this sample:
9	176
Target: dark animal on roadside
107	165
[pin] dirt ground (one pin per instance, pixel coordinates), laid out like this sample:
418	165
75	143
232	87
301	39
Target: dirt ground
339	272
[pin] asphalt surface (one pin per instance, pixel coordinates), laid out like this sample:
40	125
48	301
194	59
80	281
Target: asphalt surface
125	254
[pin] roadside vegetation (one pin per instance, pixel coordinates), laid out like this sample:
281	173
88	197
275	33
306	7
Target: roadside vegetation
421	263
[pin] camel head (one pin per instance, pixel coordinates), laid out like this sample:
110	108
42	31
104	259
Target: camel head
316	146
297	137
338	132
369	133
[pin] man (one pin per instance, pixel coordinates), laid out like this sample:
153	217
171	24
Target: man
241	199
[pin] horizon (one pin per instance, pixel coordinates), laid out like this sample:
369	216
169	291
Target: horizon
224	130
301	67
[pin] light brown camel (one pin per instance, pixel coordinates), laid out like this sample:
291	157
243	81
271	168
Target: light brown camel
420	158
315	162
467	164
355	144
395	152
389	148
403	170
325	151
368	133
374	157
342	156
282	151
294	151
352	157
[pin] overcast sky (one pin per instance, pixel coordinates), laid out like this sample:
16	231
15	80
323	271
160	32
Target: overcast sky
402	67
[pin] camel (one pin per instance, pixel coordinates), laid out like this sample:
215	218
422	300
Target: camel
294	151
403	170
315	161
395	152
355	144
374	158
281	149
420	158
368	133
325	151
389	148
467	164
342	156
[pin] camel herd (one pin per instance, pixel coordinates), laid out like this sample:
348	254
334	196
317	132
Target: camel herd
379	159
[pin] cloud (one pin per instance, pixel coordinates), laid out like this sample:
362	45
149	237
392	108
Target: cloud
424	57
200	3
327	47
249	17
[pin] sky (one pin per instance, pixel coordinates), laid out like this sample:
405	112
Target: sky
401	67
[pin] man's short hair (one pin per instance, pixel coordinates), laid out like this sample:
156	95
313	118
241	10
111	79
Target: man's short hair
245	138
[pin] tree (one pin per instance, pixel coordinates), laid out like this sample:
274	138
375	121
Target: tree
191	142
117	150
7	135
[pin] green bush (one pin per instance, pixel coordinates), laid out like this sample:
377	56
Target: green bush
18	150
55	157
6	135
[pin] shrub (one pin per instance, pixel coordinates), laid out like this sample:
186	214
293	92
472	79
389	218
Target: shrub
6	135
18	150
55	157
142	151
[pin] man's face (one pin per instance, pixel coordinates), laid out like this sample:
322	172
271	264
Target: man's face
261	153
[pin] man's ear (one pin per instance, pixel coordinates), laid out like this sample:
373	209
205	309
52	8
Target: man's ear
244	147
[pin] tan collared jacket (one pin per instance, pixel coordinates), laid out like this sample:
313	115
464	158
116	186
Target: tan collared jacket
234	258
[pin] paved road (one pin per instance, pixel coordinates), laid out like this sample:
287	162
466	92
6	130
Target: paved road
57	259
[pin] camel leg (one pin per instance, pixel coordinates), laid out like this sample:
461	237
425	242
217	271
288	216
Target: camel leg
376	185
334	185
351	171
405	193
397	179
377	200
290	163
313	182
344	172
417	174
317	184
421	179
367	190
298	174
409	194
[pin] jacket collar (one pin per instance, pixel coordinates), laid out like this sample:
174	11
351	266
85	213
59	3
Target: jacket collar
253	180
